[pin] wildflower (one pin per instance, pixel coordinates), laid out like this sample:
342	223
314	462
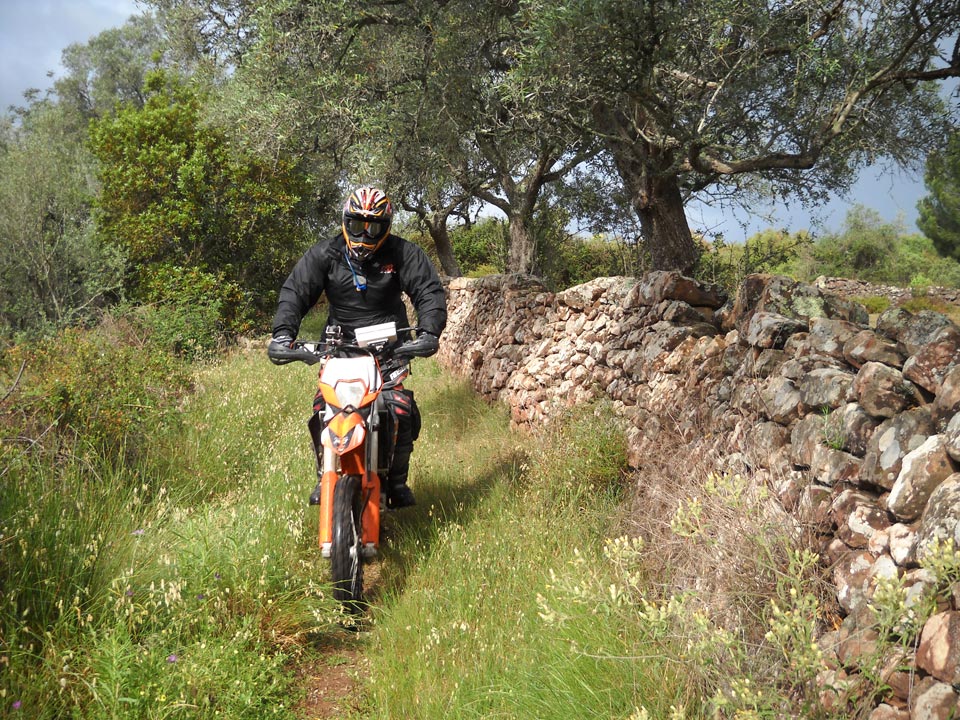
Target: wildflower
172	658
16	704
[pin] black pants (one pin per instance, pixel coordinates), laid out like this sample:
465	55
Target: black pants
404	411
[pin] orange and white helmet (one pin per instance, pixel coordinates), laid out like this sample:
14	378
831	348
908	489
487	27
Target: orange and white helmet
367	216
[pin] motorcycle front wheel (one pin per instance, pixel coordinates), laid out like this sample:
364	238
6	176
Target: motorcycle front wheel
346	556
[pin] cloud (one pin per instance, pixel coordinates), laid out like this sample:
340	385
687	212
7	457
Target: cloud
34	33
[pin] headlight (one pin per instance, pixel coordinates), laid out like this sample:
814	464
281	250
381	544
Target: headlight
350	392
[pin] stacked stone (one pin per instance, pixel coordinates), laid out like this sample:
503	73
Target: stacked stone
896	295
856	428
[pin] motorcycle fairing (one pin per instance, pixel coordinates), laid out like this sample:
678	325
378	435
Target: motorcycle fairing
349	381
350	387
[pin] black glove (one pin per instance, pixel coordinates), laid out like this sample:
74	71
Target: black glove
425	345
278	347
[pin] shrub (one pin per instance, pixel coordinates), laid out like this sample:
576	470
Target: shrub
874	304
482	271
920	303
920	284
105	388
483	244
568	260
191	311
869	249
767	251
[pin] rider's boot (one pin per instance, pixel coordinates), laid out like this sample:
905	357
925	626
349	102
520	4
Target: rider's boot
399	494
315	495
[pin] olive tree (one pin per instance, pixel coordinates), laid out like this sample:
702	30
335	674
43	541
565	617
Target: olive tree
940	211
110	68
405	93
53	269
737	98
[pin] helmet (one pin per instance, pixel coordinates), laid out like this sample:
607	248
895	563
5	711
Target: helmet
367	215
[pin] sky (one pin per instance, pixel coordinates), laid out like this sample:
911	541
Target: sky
33	33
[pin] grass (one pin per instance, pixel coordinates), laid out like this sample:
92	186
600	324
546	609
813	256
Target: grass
181	586
918	304
188	585
460	631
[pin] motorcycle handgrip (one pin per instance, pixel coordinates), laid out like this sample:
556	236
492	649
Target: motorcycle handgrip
418	348
281	355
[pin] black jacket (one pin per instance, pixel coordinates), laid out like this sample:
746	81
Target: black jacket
397	267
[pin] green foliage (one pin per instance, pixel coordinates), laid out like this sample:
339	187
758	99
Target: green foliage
874	304
573	260
735	99
190	311
870	249
563	259
461	615
54	271
940	211
175	192
483	244
767	251
179	583
110	68
102	390
921	303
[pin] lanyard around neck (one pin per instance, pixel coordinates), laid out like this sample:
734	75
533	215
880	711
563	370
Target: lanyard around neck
359	281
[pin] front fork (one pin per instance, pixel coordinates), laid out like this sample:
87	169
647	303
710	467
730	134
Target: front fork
330	468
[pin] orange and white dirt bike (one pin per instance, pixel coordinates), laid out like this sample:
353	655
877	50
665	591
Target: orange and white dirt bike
354	441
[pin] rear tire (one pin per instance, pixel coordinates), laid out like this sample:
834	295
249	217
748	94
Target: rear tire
346	549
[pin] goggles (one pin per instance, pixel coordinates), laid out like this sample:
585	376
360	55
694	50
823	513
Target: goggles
370	228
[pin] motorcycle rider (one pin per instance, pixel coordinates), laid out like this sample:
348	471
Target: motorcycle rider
364	270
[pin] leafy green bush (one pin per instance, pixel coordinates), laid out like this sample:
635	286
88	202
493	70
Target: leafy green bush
767	251
483	244
566	260
920	284
867	248
175	191
563	259
190	311
103	389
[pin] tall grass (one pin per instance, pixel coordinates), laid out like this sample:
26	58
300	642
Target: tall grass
179	586
461	632
537	580
187	583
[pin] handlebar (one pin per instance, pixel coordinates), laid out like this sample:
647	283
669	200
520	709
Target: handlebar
312	352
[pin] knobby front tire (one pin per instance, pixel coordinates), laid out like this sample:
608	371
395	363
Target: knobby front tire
346	550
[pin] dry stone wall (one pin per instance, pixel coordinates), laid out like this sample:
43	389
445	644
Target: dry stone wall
855	428
896	295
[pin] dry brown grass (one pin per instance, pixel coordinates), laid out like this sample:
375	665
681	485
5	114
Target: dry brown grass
722	540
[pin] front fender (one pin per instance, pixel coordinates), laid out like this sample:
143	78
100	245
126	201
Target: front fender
344	433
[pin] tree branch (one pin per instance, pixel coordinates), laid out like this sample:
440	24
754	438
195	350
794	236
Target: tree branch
16	382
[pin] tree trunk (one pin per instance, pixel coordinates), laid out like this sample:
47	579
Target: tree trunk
646	170
664	225
522	247
437	227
